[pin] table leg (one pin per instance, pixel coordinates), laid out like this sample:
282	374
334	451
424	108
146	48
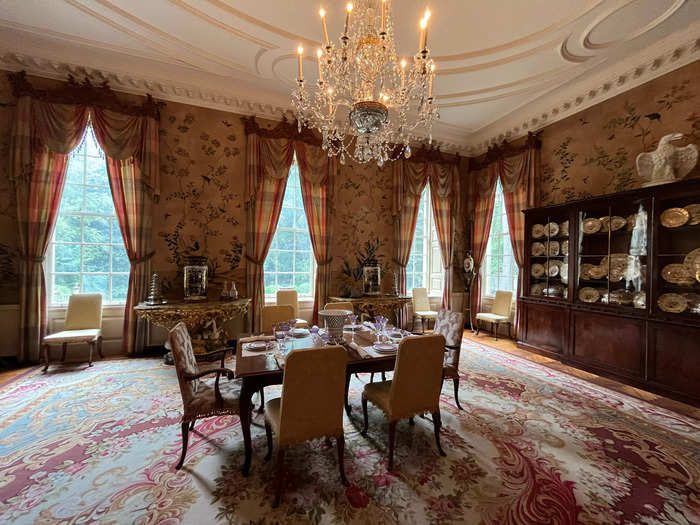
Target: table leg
348	408
247	391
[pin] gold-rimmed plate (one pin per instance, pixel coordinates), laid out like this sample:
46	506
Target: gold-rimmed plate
598	272
585	271
538	249
537	270
565	247
672	303
640	300
674	217
538	231
631	222
553	248
590	225
588	294
693	302
536	289
677	274
621	297
564	273
551	229
694	212
692	263
552	268
613	223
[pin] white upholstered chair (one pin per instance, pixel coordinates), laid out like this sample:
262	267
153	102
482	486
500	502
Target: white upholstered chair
289	296
274	314
83	325
421	308
500	313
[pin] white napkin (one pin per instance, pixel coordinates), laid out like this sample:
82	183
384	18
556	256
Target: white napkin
280	360
361	351
370	326
254	338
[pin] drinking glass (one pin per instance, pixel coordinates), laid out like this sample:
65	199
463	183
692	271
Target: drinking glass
353	320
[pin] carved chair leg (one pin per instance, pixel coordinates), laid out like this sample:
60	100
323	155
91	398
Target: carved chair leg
341	460
392	439
413	323
383	376
495	332
371	378
192	425
280	478
99	348
262	401
477	327
268	433
422	325
510	336
411	421
91	345
46	357
64	347
437	423
455	380
185	437
364	413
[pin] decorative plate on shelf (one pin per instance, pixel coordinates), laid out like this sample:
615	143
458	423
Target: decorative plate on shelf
553	248
564	229
677	274
552	268
551	229
588	294
590	225
694	212
621	297
585	271
598	272
564	273
640	300
536	289
565	247
554	291
693	302
613	223
672	303
537	270
538	231
674	217
537	249
631	222
692	263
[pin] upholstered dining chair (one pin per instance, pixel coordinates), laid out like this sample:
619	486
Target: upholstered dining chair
271	315
289	296
421	308
500	313
414	389
450	325
83	324
311	405
341	305
200	398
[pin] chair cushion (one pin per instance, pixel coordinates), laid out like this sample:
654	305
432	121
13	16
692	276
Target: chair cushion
204	403
426	313
302	323
378	394
273	414
74	336
492	317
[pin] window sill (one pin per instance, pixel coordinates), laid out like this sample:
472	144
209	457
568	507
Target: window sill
106	307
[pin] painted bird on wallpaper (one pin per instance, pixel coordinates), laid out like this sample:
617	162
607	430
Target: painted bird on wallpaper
668	163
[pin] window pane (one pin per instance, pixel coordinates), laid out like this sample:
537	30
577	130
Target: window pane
285	280
270	285
96	229
300	221
302	262
67	257
67	228
120	285
271	262
95	169
64	286
72	198
303	241
74	172
302	283
285	240
96	284
120	262
286	218
98	199
95	258
285	261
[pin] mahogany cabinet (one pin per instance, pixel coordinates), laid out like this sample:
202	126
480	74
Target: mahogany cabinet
612	285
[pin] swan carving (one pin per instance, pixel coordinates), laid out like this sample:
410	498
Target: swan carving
668	163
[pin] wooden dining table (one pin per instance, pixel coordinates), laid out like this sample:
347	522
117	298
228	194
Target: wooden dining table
258	371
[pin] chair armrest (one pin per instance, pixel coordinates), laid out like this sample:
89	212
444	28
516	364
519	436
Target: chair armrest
206	355
229	373
453	347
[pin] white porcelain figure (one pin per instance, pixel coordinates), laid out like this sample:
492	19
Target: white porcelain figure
668	163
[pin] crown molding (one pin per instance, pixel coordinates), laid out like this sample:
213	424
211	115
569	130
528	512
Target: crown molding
671	53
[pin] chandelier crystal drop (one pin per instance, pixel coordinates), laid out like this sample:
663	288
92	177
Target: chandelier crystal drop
368	103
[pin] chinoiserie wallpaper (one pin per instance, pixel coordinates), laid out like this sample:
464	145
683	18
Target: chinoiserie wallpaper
593	152
9	293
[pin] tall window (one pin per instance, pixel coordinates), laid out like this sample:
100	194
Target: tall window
86	253
424	268
290	262
500	269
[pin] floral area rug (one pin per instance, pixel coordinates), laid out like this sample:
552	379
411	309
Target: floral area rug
533	446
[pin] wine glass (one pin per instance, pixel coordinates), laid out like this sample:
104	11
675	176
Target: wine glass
284	328
353	320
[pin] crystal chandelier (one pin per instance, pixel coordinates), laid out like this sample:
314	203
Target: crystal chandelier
367	101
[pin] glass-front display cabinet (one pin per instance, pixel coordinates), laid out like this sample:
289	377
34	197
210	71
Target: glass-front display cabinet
549	257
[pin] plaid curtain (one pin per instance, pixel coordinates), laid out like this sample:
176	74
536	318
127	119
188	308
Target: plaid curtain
131	147
42	137
484	195
519	176
317	174
409	180
443	189
267	168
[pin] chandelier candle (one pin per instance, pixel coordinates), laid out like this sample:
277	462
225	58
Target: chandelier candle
300	52
368	103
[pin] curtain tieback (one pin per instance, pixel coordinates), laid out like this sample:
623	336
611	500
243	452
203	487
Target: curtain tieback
325	262
254	260
143	259
33	258
397	263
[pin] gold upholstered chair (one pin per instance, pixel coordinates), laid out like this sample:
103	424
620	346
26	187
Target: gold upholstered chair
500	313
83	324
274	314
311	405
290	297
421	308
450	325
414	389
200	398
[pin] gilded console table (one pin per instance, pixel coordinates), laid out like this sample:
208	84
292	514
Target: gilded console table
204	319
373	305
